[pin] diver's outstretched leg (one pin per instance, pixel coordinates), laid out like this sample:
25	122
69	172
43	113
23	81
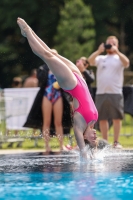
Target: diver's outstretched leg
63	73
71	65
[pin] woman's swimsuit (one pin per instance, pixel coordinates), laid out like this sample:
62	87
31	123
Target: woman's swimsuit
86	106
50	92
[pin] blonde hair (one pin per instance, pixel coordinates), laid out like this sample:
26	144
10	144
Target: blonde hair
84	59
95	147
113	37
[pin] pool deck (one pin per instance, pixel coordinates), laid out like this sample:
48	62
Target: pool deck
19	151
41	151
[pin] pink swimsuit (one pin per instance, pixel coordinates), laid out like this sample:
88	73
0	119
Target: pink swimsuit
86	105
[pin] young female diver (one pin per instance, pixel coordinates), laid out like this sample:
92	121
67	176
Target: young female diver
71	81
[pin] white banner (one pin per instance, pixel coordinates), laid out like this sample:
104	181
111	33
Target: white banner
18	102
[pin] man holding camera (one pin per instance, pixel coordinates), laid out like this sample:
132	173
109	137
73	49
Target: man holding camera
109	96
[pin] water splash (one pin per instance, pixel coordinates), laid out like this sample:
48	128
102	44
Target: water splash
107	153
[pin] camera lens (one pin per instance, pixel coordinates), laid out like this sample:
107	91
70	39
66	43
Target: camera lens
107	46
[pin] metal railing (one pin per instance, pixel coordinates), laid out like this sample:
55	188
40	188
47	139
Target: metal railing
6	133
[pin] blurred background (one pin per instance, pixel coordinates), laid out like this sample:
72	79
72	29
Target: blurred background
74	27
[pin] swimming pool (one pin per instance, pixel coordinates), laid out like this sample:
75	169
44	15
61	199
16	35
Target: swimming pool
63	177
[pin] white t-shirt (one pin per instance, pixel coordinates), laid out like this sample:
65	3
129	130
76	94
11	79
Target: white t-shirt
109	74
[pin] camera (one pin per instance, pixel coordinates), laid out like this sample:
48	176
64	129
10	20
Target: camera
107	46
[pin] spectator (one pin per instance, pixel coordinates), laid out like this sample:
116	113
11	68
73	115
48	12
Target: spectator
109	96
50	114
32	80
88	75
52	102
17	82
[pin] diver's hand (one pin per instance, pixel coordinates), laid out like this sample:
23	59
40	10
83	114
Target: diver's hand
84	155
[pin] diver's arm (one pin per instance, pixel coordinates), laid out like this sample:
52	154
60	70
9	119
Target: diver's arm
79	130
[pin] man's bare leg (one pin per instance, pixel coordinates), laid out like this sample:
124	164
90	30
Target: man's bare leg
117	127
104	127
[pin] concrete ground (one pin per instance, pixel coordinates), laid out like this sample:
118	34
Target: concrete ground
20	151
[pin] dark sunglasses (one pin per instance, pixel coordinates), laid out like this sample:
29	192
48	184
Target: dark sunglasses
83	63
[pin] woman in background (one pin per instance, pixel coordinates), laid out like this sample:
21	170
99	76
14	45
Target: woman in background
82	64
52	103
40	117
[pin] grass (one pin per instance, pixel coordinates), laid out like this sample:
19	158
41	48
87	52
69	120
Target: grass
126	141
126	137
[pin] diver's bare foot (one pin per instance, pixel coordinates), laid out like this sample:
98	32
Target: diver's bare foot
23	26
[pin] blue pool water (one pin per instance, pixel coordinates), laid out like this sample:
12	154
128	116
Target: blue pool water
63	177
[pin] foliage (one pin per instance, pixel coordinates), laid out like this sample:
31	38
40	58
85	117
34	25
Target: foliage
16	57
75	32
74	27
114	18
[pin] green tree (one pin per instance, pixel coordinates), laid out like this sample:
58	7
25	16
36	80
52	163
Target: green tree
16	57
114	18
75	32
